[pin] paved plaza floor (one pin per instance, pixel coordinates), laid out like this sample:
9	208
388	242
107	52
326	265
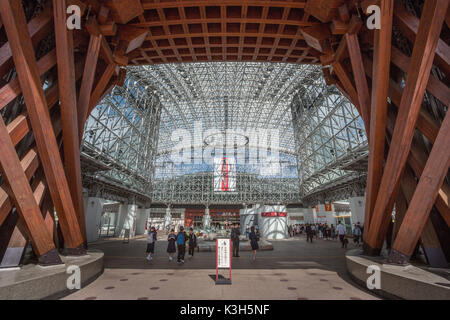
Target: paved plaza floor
294	270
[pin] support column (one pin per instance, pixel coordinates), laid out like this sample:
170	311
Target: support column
207	219
127	220
308	214
357	205
94	210
142	217
167	218
242	214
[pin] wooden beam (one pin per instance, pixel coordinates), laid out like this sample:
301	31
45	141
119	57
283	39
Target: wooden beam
409	25
11	90
429	239
108	29
359	75
400	209
88	81
426	124
23	54
425	195
438	89
434	86
100	88
23	198
378	109
124	11
69	117
38	28
20	127
105	50
132	37
417	160
417	79
318	37
346	83
30	164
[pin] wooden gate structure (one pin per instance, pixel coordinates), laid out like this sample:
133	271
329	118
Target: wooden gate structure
397	76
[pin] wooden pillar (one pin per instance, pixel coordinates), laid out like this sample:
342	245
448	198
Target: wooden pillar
25	201
88	81
378	110
417	78
425	195
23	54
69	117
360	79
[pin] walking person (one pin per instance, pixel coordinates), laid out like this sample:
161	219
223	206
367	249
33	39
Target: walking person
181	245
341	232
192	242
151	240
309	233
171	248
247	232
254	238
333	232
356	234
235	233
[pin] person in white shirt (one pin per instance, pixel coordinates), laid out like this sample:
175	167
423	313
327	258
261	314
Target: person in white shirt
340	229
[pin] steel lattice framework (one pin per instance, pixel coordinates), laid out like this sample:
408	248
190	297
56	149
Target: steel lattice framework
225	96
120	143
126	127
331	143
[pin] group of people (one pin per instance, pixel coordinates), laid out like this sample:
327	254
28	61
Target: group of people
318	230
323	231
176	243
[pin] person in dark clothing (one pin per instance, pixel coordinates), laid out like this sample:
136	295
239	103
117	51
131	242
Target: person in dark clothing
235	233
171	247
309	233
151	240
181	245
192	242
254	238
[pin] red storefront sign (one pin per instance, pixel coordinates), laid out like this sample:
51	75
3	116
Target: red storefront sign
192	214
273	214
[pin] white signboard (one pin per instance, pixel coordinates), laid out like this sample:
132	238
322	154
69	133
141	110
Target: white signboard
223	253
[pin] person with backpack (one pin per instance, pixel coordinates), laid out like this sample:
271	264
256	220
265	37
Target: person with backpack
171	247
192	242
181	245
151	240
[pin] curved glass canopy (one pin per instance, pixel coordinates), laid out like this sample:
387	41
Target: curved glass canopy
281	123
225	95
